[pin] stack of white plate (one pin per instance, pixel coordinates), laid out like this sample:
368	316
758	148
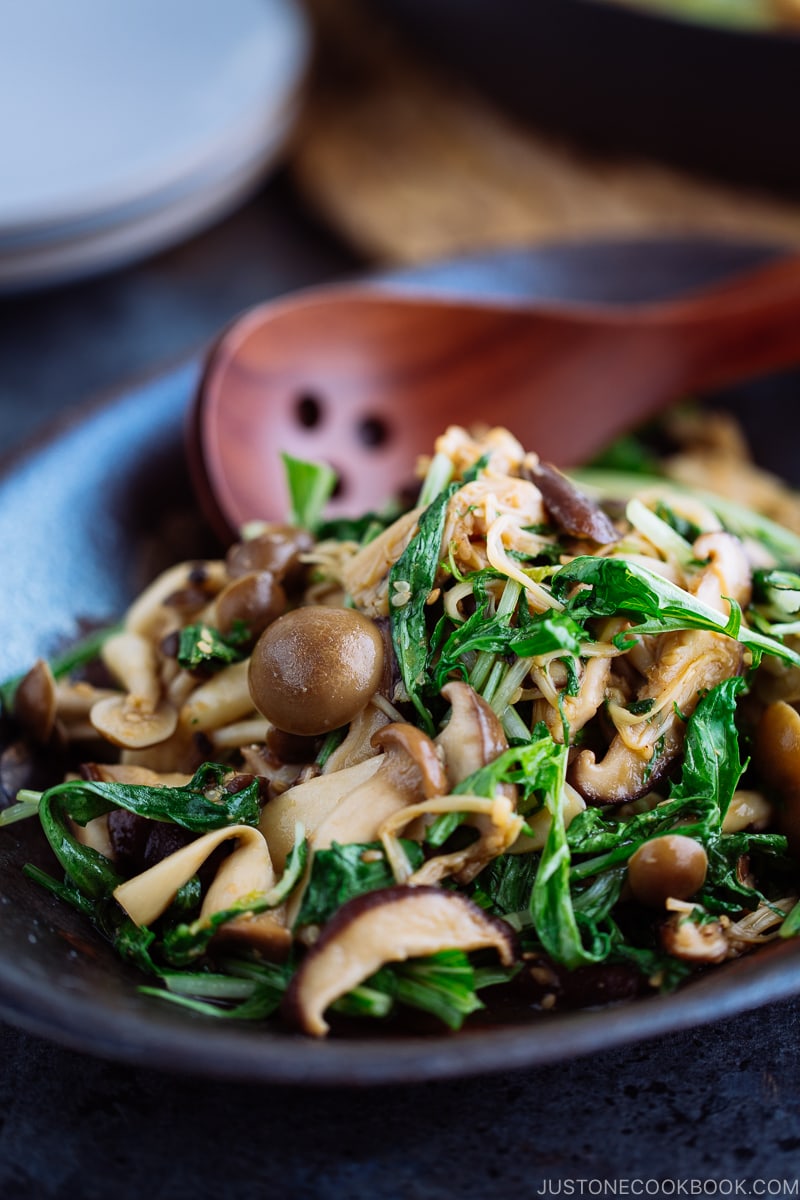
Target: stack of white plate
126	126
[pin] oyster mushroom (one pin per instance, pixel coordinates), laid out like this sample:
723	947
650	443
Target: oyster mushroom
246	873
389	925
365	575
688	664
311	802
141	717
576	711
727	575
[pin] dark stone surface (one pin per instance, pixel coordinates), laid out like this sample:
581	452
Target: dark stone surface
721	1102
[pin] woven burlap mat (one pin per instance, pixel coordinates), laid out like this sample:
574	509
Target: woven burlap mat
409	164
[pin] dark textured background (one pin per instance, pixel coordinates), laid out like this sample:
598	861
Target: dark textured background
722	1102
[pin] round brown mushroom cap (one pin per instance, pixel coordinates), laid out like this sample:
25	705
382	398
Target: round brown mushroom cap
276	549
315	668
673	866
254	599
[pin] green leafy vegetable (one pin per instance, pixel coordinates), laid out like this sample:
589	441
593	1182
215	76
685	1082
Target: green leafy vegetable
342	872
604	587
736	518
185	943
310	486
442	984
413	576
200	805
202	645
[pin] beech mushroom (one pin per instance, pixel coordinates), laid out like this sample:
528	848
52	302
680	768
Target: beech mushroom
254	600
142	717
668	866
688	664
777	752
275	548
685	938
315	668
568	508
389	925
35	702
221	700
747	810
149	615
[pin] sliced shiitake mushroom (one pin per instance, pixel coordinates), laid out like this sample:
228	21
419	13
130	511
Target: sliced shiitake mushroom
310	802
473	736
410	769
573	512
389	925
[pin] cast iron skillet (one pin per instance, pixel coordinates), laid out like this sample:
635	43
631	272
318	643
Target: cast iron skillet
713	99
85	516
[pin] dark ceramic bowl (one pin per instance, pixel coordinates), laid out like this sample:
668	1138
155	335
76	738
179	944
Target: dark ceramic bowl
86	517
622	80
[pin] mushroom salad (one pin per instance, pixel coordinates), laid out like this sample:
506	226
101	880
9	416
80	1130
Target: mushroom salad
529	737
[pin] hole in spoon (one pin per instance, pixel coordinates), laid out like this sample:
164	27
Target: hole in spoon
308	410
372	431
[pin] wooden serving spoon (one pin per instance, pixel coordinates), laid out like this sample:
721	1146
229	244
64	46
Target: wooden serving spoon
365	377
